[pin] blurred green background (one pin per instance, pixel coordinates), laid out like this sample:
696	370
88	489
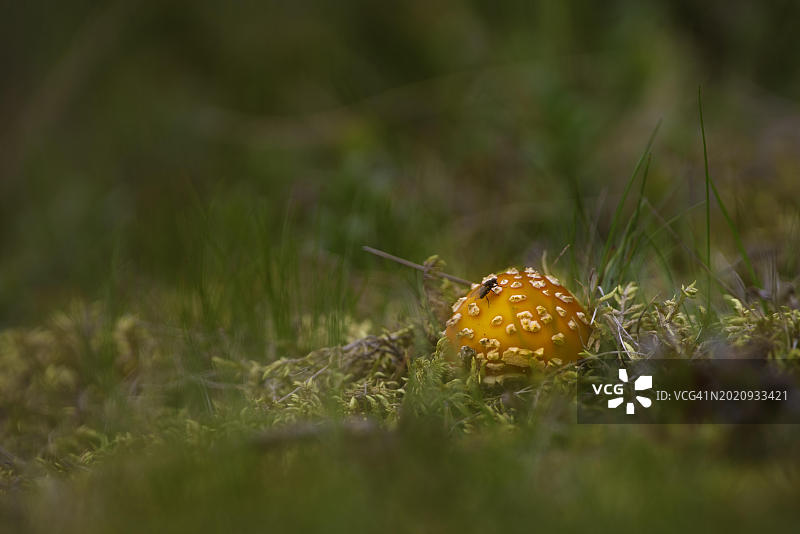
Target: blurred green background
215	168
165	144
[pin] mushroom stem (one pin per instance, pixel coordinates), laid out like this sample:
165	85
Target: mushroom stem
416	266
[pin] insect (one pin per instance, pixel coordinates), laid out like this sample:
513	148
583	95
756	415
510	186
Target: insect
485	288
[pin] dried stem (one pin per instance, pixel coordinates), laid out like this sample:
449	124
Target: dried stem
416	266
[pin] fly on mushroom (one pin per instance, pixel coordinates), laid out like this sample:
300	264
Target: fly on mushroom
486	286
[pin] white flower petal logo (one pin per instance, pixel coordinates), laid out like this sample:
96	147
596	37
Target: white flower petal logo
642	383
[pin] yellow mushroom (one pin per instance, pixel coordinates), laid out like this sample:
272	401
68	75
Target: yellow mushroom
517	320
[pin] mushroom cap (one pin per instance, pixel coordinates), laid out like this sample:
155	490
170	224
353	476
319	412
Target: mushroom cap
526	320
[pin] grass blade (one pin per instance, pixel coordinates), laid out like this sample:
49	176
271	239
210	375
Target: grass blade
710	184
621	204
708	201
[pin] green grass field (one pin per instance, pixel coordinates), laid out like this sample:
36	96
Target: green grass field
192	338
